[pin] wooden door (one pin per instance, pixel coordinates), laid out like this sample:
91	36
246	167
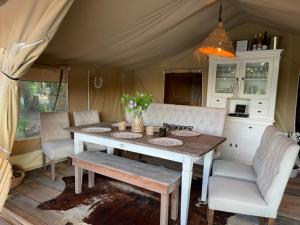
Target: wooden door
183	89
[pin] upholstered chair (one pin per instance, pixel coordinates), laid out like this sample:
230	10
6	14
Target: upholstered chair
56	142
85	118
261	197
226	168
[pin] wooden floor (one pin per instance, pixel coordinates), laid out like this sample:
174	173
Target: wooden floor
38	188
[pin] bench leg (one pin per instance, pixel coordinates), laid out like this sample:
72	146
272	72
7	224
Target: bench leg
174	203
262	221
78	180
110	150
164	209
53	170
271	221
210	216
44	162
91	179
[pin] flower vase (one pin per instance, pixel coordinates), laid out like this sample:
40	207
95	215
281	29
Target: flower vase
138	123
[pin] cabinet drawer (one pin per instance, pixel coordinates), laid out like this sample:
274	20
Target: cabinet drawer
259	112
244	129
218	102
256	103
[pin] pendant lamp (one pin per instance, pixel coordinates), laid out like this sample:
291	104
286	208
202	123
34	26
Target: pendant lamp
218	42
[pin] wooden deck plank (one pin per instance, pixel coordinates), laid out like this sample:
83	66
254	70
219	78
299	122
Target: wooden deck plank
42	188
39	177
290	207
36	191
4	222
28	217
29	206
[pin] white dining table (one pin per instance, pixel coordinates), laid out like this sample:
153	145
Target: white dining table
193	149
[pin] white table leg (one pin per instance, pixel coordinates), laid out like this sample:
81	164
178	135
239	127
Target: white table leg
78	144
208	158
186	181
110	150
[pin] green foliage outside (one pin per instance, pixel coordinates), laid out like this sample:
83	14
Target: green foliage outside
38	97
136	103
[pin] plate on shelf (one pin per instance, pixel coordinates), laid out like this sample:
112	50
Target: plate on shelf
127	135
185	133
96	129
164	141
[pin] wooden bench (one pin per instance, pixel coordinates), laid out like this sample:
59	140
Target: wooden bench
153	178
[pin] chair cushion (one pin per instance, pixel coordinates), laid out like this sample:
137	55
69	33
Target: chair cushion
94	147
53	124
226	168
236	196
262	150
58	148
86	117
270	166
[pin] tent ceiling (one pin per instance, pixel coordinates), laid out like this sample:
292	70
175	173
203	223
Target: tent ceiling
134	33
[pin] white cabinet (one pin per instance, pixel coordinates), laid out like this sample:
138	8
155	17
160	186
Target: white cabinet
250	77
243	137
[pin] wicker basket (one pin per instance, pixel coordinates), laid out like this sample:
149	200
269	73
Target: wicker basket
18	176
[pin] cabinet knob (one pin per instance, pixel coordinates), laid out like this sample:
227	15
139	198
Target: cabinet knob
230	144
260	103
250	127
236	145
218	100
237	79
259	111
243	78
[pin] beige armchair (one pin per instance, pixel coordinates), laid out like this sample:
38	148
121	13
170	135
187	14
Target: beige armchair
259	191
85	118
56	142
226	168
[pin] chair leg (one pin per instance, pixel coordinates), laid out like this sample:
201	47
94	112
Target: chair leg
164	209
210	216
262	221
271	221
174	203
53	170
44	162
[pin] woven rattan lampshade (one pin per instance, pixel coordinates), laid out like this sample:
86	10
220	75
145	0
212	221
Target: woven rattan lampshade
217	43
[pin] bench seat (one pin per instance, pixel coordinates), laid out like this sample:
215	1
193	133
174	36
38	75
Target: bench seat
154	178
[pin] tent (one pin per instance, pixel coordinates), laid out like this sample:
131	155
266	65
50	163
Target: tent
130	43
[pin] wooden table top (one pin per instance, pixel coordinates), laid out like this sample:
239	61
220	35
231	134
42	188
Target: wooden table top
194	146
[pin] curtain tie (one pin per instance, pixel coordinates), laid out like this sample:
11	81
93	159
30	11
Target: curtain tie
9	77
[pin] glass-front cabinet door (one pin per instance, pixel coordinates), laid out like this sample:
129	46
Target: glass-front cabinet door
256	78
225	78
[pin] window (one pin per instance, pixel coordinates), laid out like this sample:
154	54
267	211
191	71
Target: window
183	88
36	97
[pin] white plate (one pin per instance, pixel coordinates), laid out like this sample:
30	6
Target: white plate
164	141
185	133
126	135
96	129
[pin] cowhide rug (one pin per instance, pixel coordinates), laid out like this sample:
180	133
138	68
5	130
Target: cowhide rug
112	202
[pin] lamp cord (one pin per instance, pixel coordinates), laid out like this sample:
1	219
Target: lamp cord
220	11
